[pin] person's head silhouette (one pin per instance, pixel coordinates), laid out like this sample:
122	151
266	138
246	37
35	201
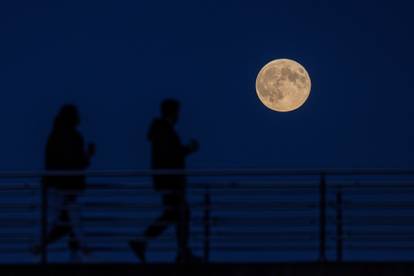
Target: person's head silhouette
68	117
170	109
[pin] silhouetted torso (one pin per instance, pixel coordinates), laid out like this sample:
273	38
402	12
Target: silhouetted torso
167	153
167	150
65	151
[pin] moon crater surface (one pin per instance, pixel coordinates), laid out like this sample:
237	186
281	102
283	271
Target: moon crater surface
283	85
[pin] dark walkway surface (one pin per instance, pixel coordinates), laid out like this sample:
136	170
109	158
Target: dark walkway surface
307	269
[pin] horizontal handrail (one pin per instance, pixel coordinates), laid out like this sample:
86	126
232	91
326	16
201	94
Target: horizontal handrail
210	172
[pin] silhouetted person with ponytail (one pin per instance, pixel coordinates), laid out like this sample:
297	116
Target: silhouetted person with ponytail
169	153
65	151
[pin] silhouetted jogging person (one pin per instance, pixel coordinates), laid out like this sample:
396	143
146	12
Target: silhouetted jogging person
169	153
65	151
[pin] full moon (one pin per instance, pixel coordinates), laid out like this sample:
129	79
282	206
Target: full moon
283	85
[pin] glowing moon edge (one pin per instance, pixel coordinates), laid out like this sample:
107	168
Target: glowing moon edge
302	94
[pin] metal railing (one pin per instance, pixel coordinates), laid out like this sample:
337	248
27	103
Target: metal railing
273	215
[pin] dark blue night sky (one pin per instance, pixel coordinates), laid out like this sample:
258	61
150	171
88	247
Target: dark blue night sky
118	59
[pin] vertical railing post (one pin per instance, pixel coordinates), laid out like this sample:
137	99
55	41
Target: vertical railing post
322	217
44	223
339	226
206	221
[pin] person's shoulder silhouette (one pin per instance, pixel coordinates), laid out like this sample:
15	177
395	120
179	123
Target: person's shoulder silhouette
65	148
167	149
160	131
